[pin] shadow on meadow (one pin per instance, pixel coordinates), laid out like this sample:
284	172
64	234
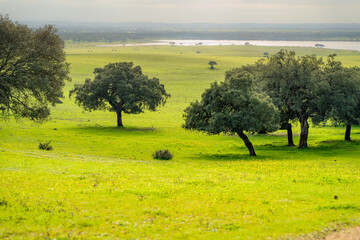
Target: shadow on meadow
336	147
112	130
274	151
268	147
336	144
229	157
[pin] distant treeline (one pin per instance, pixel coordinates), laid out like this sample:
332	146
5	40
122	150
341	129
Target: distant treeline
285	35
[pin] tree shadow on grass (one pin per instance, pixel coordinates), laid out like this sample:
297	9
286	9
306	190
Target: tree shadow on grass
336	146
328	144
228	157
98	129
329	148
268	152
337	143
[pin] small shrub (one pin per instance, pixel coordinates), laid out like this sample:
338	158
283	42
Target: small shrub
163	155
45	146
3	202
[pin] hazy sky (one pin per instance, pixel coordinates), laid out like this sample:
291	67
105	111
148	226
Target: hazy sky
185	11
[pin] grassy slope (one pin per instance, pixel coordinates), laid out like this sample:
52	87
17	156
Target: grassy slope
101	181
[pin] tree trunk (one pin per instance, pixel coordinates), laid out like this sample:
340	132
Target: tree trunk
247	142
347	133
290	135
119	119
304	132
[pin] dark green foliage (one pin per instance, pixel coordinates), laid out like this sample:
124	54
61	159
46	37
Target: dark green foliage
263	74
305	87
212	63
233	106
3	202
120	87
295	84
32	70
340	100
45	146
163	155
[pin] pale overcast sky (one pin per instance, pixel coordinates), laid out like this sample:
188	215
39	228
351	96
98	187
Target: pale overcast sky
185	11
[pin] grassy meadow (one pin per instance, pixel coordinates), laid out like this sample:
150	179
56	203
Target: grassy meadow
101	182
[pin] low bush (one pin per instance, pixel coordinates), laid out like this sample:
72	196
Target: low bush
45	146
163	155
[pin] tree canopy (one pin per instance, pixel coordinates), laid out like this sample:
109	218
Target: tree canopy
295	84
306	88
33	69
233	106
120	87
212	63
340	101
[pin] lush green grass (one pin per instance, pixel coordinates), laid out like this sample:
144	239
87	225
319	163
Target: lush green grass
101	181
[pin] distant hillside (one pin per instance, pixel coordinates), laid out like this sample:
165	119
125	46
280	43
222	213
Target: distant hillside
121	32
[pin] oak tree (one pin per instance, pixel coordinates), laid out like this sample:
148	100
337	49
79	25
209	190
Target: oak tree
233	106
294	83
212	63
340	101
33	70
122	88
268	79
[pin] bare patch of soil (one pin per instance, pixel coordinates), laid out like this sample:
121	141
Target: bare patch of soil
346	234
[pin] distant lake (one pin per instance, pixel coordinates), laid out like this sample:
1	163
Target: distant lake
343	45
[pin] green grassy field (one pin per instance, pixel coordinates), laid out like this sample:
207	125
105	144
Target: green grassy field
100	181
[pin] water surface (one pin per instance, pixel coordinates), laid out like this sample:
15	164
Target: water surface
344	45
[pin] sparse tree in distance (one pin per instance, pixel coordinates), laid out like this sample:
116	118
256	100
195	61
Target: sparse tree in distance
120	87
212	63
319	45
233	106
33	70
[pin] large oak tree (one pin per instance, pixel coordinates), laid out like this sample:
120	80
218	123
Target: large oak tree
122	88
233	106
295	84
270	79
340	100
32	69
